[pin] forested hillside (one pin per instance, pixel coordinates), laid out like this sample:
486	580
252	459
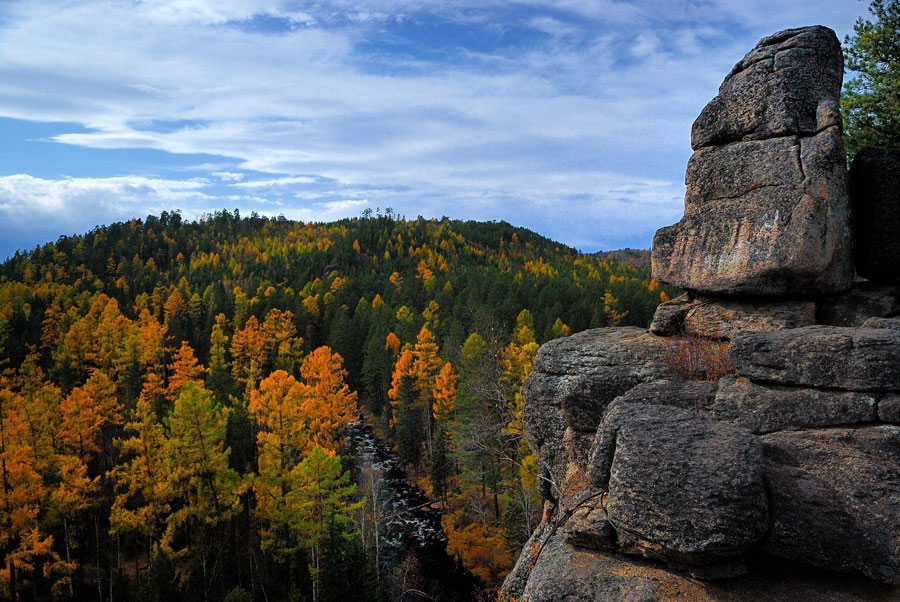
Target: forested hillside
175	398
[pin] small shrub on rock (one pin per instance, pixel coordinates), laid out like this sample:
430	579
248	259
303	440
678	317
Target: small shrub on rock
698	358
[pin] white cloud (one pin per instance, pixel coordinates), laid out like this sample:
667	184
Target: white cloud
326	212
277	183
593	114
208	11
646	44
229	176
86	202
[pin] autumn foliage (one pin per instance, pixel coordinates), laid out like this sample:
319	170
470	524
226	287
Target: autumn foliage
174	398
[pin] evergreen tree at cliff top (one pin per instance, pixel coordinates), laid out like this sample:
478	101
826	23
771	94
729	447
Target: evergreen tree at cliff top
871	100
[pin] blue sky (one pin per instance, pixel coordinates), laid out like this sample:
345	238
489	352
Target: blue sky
568	117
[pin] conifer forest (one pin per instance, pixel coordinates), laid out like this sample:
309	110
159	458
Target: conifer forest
248	408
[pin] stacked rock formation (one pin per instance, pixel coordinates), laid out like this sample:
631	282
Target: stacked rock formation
747	445
766	208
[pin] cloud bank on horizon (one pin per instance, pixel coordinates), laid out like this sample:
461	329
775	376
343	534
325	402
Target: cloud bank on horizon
568	117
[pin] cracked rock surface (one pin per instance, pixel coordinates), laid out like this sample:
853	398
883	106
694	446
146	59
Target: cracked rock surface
766	203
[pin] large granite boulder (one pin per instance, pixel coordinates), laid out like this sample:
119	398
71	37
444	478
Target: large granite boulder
673	392
875	201
761	408
766	205
562	572
572	381
666	459
828	357
784	460
889	408
836	499
890	323
777	89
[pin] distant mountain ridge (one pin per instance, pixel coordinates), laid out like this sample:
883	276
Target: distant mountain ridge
636	258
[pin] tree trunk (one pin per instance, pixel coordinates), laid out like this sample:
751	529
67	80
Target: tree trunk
97	544
12	581
68	554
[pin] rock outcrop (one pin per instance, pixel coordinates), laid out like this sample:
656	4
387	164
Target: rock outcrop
719	318
663	459
766	206
826	357
575	378
836	499
746	446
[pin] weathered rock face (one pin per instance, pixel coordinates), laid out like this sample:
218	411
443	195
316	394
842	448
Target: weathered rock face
720	318
766	206
665	459
761	408
573	574
854	359
780	480
714	479
575	378
857	305
881	322
875	201
836	499
778	89
889	408
672	392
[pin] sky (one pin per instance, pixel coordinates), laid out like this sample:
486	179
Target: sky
568	117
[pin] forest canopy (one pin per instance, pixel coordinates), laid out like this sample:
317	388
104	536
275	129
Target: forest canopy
175	398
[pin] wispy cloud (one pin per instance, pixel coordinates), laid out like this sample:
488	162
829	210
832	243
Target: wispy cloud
533	112
75	201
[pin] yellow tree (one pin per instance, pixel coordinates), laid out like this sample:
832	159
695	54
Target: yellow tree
102	391
330	405
612	315
294	417
283	348
111	332
319	504
219	374
281	438
52	477
412	395
406	409
153	341
248	352
84	415
39	408
21	491
444	393
69	496
184	369
560	329
392	343
517	361
80	423
144	492
426	365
